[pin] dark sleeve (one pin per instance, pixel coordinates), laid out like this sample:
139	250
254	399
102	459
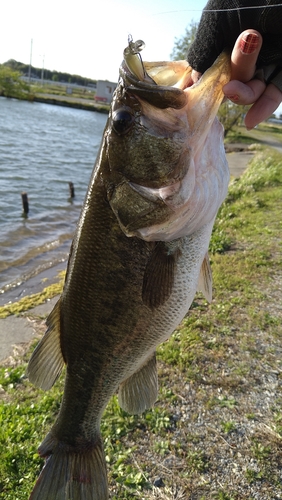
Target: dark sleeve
277	80
222	22
210	39
272	74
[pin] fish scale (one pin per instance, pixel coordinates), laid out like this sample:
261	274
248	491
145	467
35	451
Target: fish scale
137	259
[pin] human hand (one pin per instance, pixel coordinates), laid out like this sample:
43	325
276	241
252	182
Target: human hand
244	87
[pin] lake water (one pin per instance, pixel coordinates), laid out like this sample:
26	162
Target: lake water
42	148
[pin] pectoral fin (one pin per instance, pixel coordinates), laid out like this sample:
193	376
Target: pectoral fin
205	279
140	391
159	273
46	362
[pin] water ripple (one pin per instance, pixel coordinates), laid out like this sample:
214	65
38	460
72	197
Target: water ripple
42	149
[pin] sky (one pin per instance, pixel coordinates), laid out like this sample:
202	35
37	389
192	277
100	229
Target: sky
88	37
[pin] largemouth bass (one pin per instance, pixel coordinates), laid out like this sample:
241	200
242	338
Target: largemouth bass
137	259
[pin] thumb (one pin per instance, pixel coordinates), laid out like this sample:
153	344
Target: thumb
244	55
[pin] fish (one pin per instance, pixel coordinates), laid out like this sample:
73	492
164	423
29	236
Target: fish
138	257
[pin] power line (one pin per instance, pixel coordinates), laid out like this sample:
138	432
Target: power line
222	10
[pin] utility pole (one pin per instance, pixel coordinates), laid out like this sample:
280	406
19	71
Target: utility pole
29	69
42	71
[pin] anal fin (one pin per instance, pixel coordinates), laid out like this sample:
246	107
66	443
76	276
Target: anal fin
159	273
46	362
205	279
140	391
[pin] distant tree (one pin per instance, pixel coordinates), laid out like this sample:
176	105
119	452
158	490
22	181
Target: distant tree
11	84
56	76
231	115
182	44
13	64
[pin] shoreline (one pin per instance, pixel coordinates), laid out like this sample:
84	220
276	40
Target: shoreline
33	285
70	102
65	101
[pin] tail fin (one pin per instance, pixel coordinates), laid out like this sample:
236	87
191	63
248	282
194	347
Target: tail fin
70	474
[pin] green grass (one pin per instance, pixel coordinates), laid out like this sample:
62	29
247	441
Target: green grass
33	300
217	357
61	90
257	135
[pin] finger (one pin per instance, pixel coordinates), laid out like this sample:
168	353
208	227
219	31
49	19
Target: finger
264	106
244	55
195	75
244	93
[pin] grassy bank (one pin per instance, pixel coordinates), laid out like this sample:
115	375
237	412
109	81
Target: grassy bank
258	135
70	103
58	95
216	430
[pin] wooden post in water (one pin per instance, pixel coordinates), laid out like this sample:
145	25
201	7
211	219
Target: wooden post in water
71	187
25	203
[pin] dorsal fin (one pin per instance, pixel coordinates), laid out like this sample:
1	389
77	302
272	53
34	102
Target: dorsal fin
140	391
46	362
159	273
205	279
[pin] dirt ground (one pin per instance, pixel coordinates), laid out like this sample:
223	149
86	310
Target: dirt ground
238	162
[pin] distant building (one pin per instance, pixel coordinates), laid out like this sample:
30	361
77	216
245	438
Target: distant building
105	90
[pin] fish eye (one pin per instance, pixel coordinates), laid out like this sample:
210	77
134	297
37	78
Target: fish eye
122	121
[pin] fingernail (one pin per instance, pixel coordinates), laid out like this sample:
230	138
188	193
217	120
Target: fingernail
249	43
234	97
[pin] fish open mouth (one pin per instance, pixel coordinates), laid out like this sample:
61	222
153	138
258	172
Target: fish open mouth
160	83
164	73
